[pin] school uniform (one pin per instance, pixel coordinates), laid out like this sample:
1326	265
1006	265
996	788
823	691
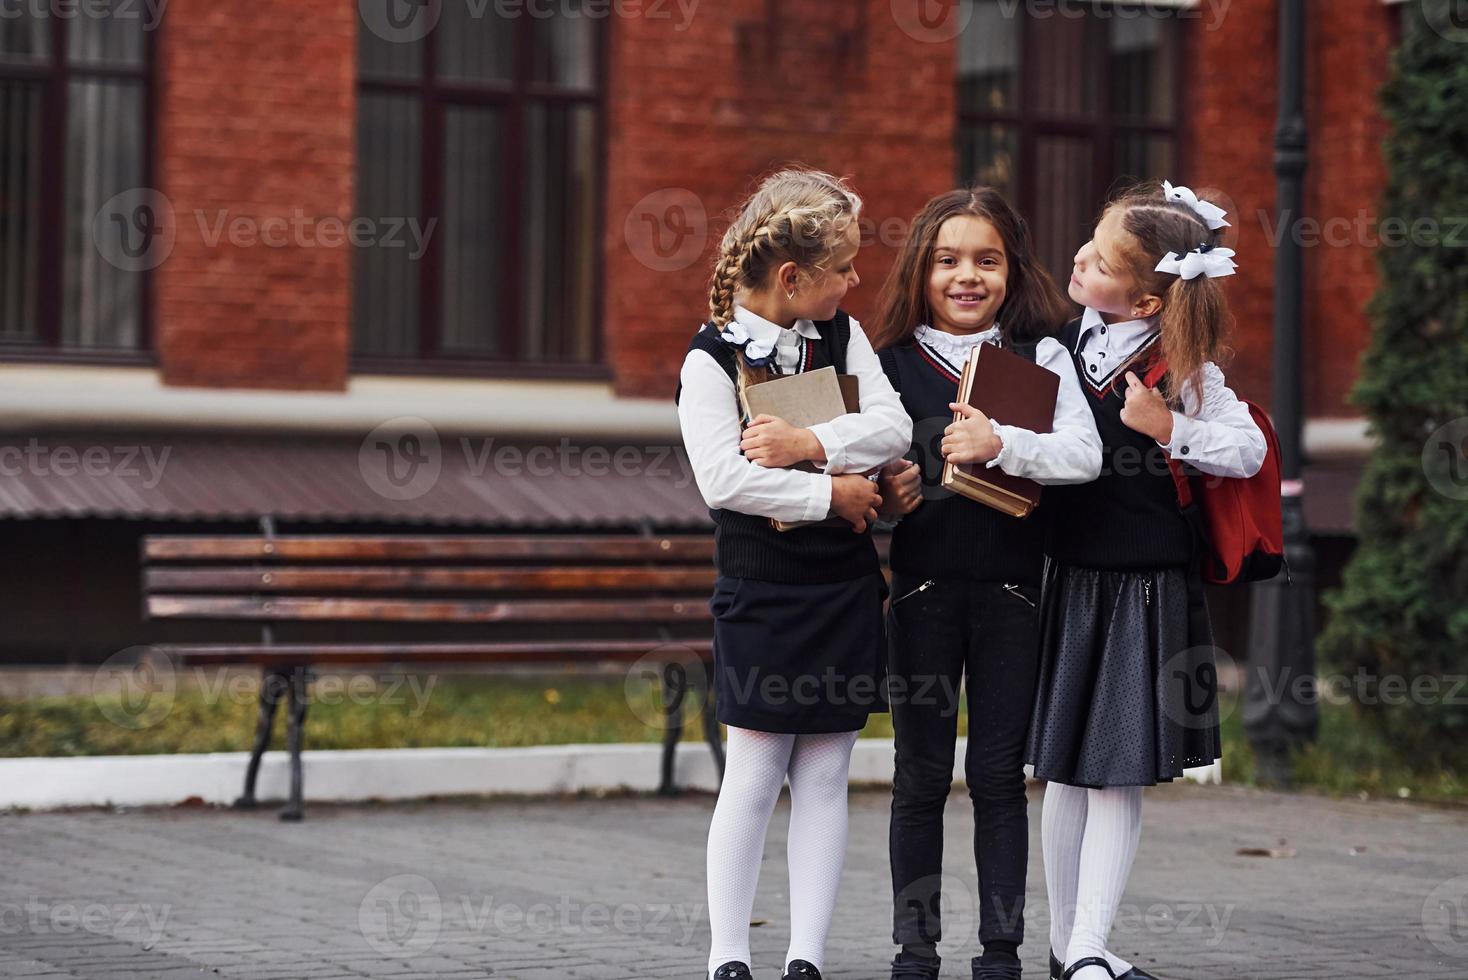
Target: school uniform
798	637
965	586
1127	692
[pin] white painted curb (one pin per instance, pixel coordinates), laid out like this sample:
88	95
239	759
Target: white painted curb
392	774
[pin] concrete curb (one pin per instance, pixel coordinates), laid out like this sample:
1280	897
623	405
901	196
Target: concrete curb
391	774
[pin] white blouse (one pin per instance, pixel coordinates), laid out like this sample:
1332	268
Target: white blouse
1217	434
708	414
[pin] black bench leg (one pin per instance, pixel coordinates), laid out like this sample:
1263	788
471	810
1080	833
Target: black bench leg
299	679
675	686
711	732
273	686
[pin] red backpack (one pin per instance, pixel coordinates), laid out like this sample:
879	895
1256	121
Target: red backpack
1239	518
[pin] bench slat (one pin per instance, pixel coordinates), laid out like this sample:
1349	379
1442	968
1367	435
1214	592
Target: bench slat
178	578
429	610
370	653
170	547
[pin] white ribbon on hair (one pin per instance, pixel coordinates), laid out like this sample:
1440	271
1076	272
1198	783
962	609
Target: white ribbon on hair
1211	213
738	334
1213	263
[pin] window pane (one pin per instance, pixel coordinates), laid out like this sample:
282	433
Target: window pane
475	43
108	32
1142	157
988	61
1064	208
558	234
385	53
562	48
101	304
385	275
987	154
25	38
1142	60
473	233
20	202
1066	65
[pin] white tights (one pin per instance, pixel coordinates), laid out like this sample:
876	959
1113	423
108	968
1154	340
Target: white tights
755	770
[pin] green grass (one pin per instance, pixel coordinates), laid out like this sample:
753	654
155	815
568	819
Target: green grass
1347	759
465	710
443	710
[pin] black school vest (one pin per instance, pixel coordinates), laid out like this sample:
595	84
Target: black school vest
1128	518
745	545
950	535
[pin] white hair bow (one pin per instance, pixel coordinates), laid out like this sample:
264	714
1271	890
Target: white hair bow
1211	213
738	335
1205	260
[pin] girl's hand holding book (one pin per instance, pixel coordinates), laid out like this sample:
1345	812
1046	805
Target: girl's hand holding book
971	439
772	442
855	499
901	487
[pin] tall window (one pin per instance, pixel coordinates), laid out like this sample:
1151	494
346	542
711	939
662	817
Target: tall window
74	133
486	134
1058	106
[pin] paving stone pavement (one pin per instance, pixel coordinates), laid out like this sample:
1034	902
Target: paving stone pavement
604	889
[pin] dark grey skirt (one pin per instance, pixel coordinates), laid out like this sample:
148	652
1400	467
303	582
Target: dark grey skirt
1128	687
799	659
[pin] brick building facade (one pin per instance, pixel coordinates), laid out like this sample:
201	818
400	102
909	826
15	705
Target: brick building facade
568	164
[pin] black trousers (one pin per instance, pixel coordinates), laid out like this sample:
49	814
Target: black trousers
937	634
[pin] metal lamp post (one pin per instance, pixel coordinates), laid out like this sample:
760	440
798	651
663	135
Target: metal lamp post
1279	712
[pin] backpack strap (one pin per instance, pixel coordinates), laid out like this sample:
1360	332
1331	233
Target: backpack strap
1154	374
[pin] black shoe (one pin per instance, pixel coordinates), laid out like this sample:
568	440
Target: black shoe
906	966
801	970
1136	974
1081	964
1055	966
733	970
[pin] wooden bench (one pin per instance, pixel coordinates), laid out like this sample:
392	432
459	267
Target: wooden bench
535	599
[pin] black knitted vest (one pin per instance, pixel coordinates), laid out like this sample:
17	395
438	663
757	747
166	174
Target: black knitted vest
746	545
1128	518
950	535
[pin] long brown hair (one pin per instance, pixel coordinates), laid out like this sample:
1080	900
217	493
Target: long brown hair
1033	307
795	215
1196	321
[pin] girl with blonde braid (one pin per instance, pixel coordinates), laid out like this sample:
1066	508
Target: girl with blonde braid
798	639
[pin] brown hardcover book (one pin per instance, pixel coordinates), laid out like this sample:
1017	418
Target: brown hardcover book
804	400
1003	386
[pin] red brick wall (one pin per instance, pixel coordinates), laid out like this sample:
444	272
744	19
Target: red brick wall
1233	109
748	86
256	109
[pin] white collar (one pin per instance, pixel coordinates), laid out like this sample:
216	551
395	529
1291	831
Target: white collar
1126	334
955	344
765	332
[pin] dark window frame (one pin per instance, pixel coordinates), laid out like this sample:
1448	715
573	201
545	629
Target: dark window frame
434	97
1102	131
55	77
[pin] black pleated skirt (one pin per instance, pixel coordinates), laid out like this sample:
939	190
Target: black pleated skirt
799	659
1128	686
